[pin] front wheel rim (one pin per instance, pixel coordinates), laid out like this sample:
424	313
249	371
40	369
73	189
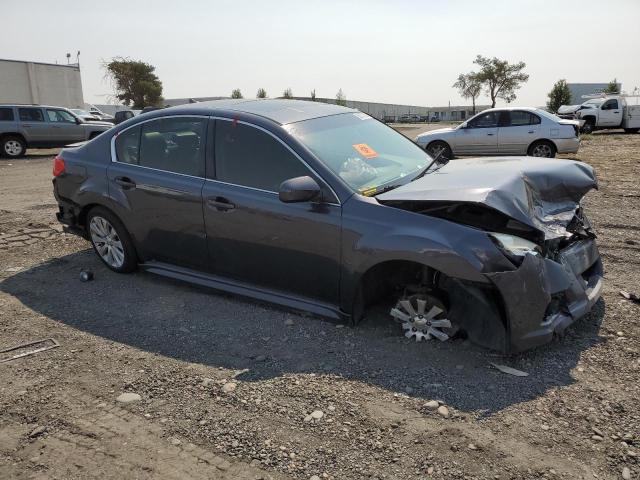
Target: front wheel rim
13	147
542	151
438	151
107	242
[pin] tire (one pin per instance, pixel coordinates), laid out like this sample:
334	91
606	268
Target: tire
111	241
434	148
632	130
542	149
12	146
588	126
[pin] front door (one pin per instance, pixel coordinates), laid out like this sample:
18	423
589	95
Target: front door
156	185
36	130
479	137
517	131
63	128
610	114
253	237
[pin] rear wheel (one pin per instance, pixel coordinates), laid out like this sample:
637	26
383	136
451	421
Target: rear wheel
440	150
13	147
542	148
111	241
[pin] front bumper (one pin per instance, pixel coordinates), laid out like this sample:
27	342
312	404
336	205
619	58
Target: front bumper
567	145
544	296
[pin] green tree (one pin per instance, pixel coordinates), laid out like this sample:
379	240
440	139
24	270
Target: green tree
287	93
262	93
559	95
341	98
135	82
612	87
500	78
469	86
236	93
313	95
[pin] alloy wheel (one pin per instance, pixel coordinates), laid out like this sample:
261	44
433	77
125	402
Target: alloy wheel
421	318
542	150
12	148
107	242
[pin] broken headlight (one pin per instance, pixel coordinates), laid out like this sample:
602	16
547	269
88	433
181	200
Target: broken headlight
515	248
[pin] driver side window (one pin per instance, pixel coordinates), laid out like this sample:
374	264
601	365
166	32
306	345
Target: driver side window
486	120
60	116
610	104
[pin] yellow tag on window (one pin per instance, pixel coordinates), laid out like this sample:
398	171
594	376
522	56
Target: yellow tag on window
368	192
365	150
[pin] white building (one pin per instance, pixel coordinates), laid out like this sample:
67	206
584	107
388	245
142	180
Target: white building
40	83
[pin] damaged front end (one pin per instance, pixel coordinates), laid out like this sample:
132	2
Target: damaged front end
531	211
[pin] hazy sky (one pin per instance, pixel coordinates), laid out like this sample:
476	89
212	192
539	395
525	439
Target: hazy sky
399	51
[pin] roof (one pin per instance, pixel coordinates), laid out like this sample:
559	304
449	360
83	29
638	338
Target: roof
281	111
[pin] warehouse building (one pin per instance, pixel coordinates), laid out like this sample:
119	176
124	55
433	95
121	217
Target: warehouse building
40	83
388	112
579	89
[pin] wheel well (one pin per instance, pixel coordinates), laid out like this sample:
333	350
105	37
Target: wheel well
13	134
437	141
84	211
93	135
590	118
387	278
542	140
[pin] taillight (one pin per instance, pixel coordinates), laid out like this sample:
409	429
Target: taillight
58	166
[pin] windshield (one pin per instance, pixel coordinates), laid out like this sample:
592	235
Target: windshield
80	112
365	153
595	103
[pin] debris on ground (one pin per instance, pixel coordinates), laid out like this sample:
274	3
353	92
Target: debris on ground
509	370
128	397
86	276
630	296
46	344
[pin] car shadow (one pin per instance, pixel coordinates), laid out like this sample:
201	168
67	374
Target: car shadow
201	325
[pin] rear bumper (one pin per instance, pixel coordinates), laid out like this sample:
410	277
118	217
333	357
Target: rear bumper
543	296
567	145
68	215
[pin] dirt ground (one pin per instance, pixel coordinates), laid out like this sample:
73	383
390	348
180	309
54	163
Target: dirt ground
232	389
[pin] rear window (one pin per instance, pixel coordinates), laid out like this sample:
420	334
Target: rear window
519	118
31	115
6	114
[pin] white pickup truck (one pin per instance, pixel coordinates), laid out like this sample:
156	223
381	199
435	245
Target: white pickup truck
610	111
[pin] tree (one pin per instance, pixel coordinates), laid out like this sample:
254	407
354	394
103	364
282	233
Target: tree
262	93
313	95
236	93
469	87
341	98
612	87
134	82
559	95
287	93
500	78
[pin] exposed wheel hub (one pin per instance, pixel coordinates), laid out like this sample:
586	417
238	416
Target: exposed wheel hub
422	317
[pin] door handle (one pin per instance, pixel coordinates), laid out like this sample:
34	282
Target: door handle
125	183
531	131
489	134
221	204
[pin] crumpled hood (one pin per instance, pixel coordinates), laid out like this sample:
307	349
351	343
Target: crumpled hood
568	109
541	193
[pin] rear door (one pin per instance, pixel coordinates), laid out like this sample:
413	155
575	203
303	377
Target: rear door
480	137
63	127
517	130
610	114
156	181
255	238
35	129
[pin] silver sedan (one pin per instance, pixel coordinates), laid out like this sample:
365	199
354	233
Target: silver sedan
505	131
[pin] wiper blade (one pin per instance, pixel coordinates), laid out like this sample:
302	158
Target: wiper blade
387	188
426	169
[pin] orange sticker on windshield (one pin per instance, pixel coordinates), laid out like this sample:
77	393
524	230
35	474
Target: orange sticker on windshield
365	150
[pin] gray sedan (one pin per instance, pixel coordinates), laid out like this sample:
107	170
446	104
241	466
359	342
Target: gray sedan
505	131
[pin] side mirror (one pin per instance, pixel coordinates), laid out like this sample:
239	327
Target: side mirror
78	121
299	189
463	125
